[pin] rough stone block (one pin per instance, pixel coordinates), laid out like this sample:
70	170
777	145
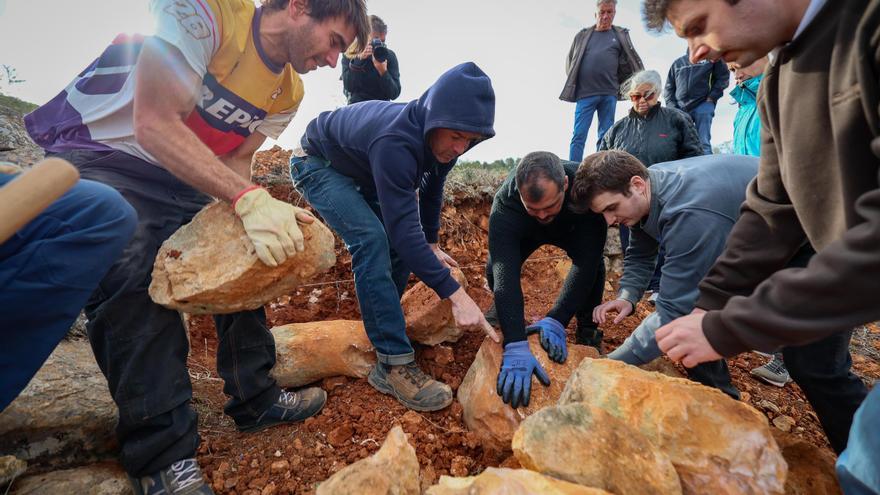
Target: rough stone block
718	445
308	352
209	265
485	414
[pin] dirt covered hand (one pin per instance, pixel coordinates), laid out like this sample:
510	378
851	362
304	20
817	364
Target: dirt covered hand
271	224
515	377
468	315
622	307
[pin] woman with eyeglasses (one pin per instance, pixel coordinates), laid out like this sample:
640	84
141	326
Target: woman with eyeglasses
653	134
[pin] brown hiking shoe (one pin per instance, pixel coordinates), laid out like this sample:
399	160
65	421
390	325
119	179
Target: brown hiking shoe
411	386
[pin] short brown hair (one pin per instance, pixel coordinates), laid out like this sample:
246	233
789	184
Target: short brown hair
654	13
605	171
377	25
353	11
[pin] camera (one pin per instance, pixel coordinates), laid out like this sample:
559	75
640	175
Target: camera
380	50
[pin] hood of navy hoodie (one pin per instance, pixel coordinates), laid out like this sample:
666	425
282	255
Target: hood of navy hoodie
461	99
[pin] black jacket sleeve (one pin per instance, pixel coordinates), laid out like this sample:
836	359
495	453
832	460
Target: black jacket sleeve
585	247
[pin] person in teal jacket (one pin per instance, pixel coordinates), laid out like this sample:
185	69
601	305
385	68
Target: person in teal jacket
747	123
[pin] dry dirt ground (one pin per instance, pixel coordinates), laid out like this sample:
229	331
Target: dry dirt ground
294	459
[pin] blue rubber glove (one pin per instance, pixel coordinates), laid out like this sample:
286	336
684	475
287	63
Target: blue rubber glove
552	338
515	378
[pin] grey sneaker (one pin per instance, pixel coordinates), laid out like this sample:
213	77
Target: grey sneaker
773	372
181	478
411	386
289	408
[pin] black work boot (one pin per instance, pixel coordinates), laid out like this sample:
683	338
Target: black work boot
411	386
589	335
289	408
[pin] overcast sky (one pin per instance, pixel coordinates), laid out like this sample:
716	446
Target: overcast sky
522	45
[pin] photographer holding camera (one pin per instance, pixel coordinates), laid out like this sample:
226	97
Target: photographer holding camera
371	74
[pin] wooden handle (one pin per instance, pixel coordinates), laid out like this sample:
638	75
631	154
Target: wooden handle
25	197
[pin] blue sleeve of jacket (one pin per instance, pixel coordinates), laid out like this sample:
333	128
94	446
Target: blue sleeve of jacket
693	240
720	80
394	172
431	202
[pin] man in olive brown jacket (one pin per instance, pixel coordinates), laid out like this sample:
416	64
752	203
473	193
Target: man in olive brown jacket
818	183
600	60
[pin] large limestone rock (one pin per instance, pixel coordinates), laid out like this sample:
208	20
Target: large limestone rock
428	318
718	445
393	470
98	479
810	469
588	446
65	415
503	481
16	145
307	352
209	265
487	415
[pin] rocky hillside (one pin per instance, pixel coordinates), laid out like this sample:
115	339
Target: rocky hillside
13	135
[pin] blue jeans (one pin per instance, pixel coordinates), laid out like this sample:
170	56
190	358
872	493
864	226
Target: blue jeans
583	119
379	275
858	467
142	347
703	115
48	269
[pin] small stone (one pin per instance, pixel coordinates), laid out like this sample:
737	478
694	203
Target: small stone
279	467
411	419
333	383
766	404
231	483
784	423
745	396
460	465
269	489
255	463
443	355
297	444
340	435
355	411
277	453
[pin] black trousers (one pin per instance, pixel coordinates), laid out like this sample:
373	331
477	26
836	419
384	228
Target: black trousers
142	347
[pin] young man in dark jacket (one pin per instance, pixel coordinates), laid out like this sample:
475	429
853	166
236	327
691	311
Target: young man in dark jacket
821	82
367	75
601	58
695	88
375	172
531	209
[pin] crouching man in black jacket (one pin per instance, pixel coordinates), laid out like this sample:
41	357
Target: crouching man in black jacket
531	210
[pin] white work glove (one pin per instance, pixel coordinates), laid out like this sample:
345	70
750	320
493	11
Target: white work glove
271	224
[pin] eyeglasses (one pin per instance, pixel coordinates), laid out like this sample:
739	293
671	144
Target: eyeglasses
647	96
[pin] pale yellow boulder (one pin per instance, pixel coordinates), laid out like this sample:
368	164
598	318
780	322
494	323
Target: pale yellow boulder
209	265
503	481
588	446
428	318
307	352
393	470
718	445
485	414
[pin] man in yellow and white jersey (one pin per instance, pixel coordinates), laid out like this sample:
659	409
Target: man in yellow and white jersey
170	121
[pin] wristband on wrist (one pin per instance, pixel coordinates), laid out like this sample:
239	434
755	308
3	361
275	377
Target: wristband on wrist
242	193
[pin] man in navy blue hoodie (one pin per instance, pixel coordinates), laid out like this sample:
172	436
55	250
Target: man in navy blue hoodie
375	172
